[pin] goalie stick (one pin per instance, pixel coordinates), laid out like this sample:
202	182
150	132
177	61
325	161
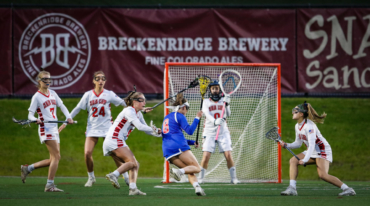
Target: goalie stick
204	81
192	84
273	134
230	81
27	121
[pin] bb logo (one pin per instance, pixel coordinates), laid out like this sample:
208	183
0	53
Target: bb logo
59	44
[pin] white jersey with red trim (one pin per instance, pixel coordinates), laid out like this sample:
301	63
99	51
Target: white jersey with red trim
98	107
310	135
46	108
212	110
125	123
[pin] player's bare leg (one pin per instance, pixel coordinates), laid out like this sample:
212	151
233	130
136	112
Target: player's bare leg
125	175
204	165
189	165
231	167
205	159
90	143
323	172
293	173
27	169
54	150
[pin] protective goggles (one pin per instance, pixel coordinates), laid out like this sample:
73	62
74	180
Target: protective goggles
297	110
97	78
46	80
139	99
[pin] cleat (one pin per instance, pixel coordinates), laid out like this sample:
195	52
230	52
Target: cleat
290	191
90	182
235	181
199	191
113	179
136	192
24	173
52	188
176	174
348	192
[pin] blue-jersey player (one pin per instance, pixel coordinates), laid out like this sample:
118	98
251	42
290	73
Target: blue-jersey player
176	148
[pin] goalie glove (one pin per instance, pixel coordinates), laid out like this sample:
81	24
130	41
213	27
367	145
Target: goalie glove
155	130
219	121
227	99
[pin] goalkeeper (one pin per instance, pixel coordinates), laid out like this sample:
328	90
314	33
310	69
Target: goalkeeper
318	151
212	109
115	146
176	148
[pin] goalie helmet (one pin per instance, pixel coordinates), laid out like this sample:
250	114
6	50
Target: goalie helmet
214	97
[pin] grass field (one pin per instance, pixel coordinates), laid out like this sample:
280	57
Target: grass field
14	192
346	128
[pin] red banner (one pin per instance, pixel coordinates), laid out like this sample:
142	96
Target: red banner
132	45
333	50
6	78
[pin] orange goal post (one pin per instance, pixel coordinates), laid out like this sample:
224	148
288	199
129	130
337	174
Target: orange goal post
255	109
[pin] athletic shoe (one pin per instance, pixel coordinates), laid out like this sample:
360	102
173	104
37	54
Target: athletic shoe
348	192
113	179
176	174
200	181
290	191
52	188
235	181
136	192
199	191
90	182
24	172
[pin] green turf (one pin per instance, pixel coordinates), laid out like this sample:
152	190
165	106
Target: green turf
14	192
346	129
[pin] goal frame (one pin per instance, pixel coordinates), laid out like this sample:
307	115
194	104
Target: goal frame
166	95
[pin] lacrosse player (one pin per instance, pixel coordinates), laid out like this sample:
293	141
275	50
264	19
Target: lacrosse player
115	142
97	102
176	148
318	149
212	109
45	102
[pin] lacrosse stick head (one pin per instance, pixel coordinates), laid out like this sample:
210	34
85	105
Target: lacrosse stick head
273	134
193	83
230	81
23	122
204	81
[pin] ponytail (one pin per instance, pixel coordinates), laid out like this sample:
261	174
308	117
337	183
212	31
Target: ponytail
313	116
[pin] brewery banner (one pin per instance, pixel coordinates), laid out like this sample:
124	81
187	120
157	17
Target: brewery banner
132	45
6	51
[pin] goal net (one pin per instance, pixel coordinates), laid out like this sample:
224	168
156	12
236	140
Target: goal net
255	109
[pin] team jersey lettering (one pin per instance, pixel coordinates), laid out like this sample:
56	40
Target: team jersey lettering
98	101
302	137
49	102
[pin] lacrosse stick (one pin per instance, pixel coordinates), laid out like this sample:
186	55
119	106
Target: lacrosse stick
203	85
230	81
192	84
28	122
273	134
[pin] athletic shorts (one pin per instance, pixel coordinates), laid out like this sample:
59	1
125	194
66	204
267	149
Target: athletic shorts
112	144
96	133
224	143
48	132
327	155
